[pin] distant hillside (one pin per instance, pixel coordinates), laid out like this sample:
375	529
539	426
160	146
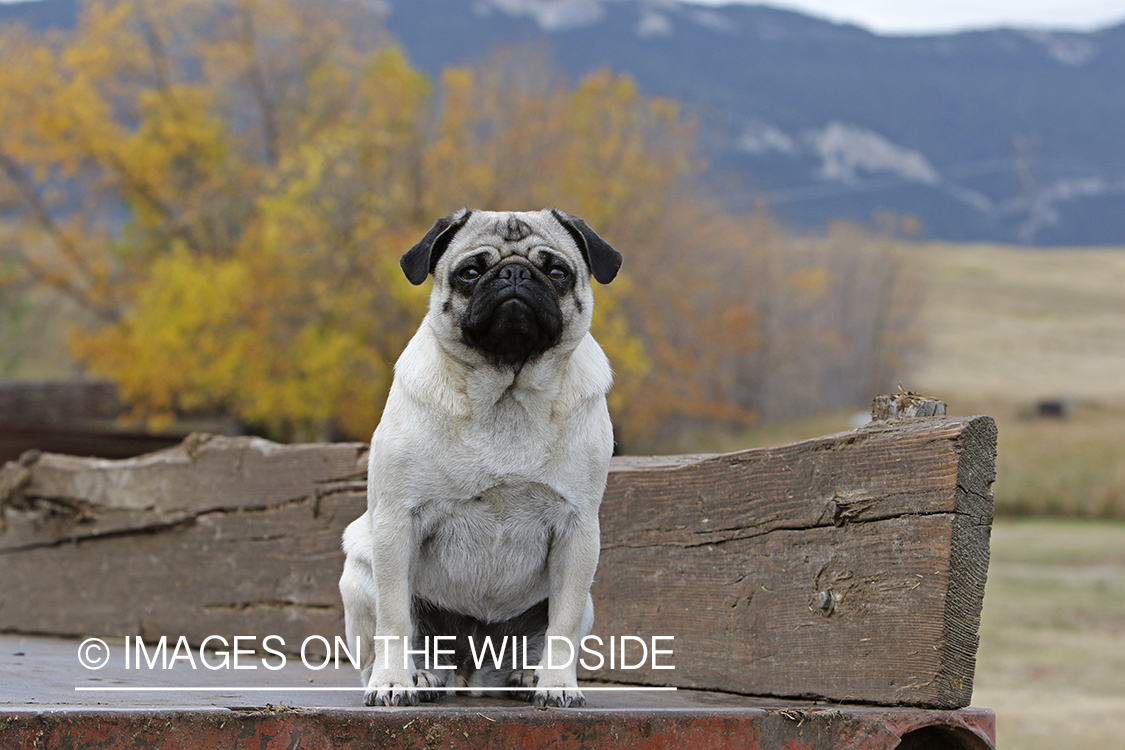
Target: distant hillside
993	135
40	15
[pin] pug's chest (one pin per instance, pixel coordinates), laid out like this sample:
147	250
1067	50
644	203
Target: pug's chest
486	555
508	440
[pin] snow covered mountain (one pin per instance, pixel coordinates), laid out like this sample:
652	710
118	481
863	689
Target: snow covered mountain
993	135
1004	135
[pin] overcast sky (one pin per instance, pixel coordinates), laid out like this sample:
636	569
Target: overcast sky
924	16
927	16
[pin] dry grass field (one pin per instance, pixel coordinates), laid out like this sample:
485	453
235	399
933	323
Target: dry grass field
1018	325
1052	655
1009	328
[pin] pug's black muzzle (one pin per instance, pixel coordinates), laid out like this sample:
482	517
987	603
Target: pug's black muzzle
513	314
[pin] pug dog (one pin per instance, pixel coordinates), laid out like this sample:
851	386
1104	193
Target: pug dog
488	465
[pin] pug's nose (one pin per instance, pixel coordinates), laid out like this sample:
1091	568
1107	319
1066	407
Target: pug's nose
515	274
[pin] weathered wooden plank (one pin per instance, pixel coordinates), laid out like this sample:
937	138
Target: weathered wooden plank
219	535
47	498
848	568
247	572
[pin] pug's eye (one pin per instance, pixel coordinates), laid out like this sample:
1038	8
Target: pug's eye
558	273
469	273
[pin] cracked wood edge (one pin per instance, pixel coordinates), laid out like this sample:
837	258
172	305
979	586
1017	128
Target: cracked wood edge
47	499
885	470
972	530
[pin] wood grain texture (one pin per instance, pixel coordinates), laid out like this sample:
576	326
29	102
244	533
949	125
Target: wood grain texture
227	536
847	568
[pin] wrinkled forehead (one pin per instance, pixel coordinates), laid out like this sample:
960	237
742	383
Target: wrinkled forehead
515	234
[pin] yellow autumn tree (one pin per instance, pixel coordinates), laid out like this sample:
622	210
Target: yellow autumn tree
227	188
306	308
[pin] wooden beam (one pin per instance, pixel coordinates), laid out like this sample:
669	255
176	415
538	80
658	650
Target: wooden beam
847	568
226	536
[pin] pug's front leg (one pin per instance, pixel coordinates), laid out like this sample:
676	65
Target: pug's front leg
392	681
571	615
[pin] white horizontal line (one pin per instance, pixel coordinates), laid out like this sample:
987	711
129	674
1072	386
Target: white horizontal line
305	688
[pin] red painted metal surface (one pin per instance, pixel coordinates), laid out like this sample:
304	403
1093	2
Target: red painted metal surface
788	728
48	701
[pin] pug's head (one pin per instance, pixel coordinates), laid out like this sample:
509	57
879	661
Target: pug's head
511	285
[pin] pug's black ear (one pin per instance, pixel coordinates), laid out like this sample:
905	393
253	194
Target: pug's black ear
420	260
600	256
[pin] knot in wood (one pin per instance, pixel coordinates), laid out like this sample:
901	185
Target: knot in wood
826	602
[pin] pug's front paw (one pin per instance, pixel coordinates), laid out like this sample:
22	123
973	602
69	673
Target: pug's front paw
559	698
390	689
